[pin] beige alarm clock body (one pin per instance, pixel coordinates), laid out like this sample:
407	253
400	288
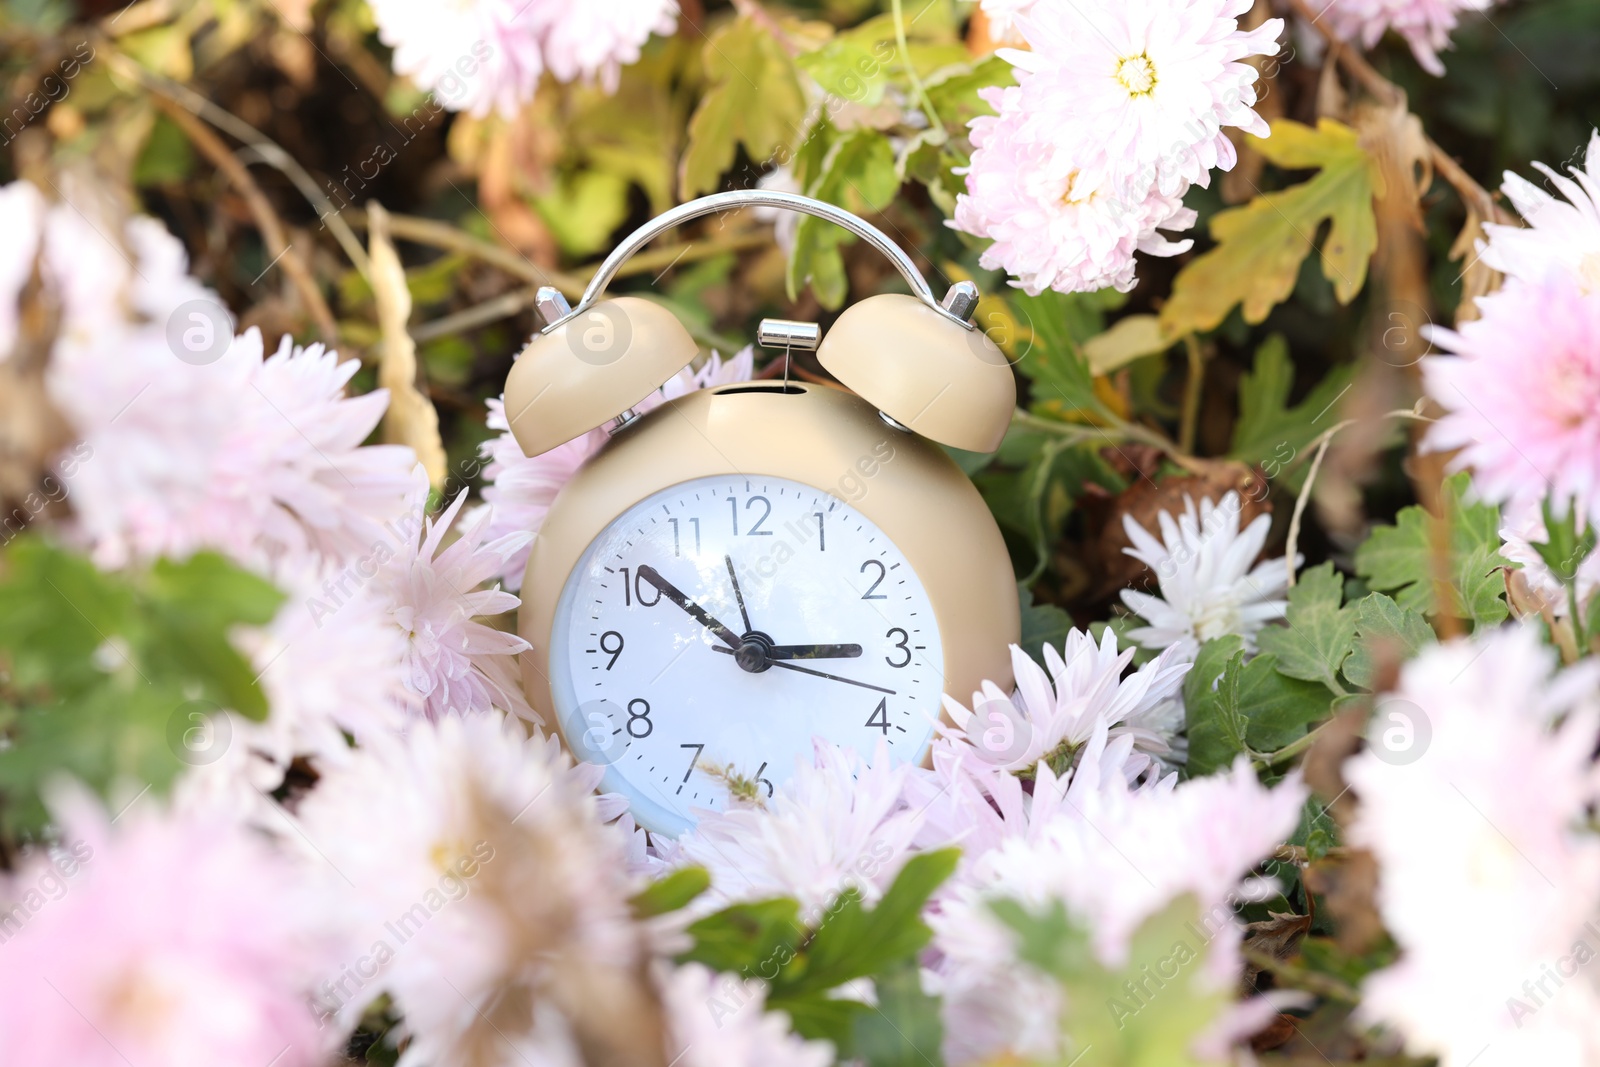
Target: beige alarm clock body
750	567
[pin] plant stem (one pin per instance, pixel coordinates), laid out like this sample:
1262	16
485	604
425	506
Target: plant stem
1300	978
267	221
1268	760
923	102
1353	61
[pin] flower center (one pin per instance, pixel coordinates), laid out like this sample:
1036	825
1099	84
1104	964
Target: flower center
1137	74
1067	196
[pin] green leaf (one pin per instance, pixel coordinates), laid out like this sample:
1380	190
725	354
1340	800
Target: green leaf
905	1029
1564	548
1398	559
109	672
1217	727
1235	706
858	173
670	892
1261	245
852	942
855	64
1379	620
582	209
1042	624
1271	434
763	935
1318	633
1056	327
1147	1013
753	98
954	91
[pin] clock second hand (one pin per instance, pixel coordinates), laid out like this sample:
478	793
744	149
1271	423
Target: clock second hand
820	674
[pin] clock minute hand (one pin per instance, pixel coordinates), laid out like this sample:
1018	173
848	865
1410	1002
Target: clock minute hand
814	652
696	612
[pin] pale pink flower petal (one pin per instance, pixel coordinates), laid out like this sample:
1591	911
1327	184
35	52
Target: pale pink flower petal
1466	783
1563	232
182	941
1521	394
1425	24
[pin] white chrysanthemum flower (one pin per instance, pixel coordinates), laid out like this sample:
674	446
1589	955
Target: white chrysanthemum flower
1562	234
1208	587
836	824
1114	858
1056	709
487	55
717	1020
1465	783
455	665
522	488
1425	24
1056	220
21	220
970	803
488	898
1149	84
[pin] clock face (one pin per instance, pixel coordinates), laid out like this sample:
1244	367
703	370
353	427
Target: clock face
718	626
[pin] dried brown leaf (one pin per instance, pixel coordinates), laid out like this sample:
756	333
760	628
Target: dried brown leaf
411	418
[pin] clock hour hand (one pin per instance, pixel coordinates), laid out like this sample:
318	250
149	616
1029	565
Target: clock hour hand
814	652
696	612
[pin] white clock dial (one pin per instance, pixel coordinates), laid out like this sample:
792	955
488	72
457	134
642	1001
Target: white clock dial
718	626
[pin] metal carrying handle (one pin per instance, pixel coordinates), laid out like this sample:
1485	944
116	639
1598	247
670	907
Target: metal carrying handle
959	301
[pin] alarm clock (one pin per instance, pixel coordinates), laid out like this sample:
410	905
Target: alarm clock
750	567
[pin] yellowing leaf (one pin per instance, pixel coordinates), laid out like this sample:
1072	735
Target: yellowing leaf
1131	338
411	418
752	98
1261	245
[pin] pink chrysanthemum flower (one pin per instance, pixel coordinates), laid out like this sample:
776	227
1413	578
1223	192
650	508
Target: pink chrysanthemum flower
522	488
1562	234
835	825
267	461
1149	84
455	665
1056	709
1425	24
483	892
1467	783
1114	857
1522	395
588	40
182	941
1056	220
487	55
1209	589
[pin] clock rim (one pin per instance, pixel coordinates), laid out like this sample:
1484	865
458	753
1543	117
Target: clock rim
963	563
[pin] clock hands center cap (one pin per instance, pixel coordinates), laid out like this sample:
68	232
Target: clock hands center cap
754	653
